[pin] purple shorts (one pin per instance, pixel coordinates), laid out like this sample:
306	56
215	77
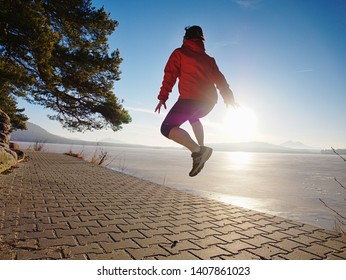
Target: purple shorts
185	110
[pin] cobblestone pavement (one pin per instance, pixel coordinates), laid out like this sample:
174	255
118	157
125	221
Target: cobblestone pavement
58	207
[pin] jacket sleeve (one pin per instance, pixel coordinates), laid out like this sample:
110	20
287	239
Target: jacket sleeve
171	73
222	85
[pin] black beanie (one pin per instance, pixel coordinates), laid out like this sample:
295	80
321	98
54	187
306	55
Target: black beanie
193	32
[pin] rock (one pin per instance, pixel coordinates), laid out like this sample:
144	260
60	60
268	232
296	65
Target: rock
4	138
8	158
5	126
14	146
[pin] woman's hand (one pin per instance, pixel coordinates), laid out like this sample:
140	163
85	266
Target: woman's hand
158	107
230	101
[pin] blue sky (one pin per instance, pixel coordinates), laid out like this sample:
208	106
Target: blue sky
285	61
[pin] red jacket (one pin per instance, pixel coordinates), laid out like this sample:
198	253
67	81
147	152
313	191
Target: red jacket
197	72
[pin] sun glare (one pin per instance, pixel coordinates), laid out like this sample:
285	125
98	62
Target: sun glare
241	124
240	160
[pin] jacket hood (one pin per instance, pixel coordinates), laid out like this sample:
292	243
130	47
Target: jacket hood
195	45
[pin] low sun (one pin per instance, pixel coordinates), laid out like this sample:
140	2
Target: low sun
240	124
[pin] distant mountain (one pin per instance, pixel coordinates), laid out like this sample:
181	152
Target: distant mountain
296	145
35	133
261	147
111	140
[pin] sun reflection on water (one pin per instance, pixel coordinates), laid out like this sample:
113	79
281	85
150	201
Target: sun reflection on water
240	160
246	202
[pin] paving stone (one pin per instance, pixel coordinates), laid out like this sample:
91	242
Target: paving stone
126	235
258	240
270	228
198	220
305	227
107	229
102	237
76	225
184	221
38	234
46	254
300	255
220	216
322	235
180	236
247	225
227	228
154	232
118	255
208	241
77	257
334	257
318	250
244	220
184	255
251	232
145	253
267	251
295	232
236	246
182	228
112	222
278	235
285	224
81	215
205	233
288	245
210	252
341	255
222	222
64	241
259	217
119	245
243	255
232	236
177	247
203	226
146	242
44	226
127	228
71	232
335	244
7	255
78	250
304	239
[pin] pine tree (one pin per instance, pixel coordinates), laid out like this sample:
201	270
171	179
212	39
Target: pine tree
55	53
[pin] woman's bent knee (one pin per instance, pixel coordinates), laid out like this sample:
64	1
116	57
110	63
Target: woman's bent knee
165	129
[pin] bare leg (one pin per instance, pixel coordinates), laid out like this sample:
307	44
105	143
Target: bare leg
198	131
181	137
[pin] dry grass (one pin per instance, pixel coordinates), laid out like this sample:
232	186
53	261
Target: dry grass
37	146
100	157
73	154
